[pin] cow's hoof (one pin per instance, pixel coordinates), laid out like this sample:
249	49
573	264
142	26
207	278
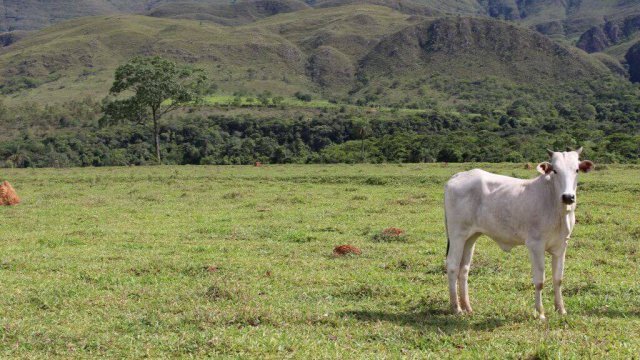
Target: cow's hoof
562	312
542	317
457	311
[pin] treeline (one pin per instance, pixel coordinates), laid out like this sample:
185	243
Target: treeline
318	137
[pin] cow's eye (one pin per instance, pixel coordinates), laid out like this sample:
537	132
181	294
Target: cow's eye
577	171
555	172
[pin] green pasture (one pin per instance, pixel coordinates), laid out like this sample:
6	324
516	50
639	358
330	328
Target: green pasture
236	262
231	101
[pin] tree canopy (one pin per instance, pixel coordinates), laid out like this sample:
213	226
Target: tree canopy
157	86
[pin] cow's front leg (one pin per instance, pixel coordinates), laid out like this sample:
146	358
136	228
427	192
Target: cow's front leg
558	274
536	254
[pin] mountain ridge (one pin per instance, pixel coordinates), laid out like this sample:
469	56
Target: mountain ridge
573	17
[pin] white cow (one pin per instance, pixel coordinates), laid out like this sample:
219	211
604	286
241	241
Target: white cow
538	213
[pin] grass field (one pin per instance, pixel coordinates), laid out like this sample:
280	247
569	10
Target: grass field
293	103
237	262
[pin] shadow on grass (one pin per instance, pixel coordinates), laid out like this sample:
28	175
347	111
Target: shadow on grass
611	313
437	317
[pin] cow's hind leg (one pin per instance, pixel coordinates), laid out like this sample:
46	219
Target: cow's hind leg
463	276
457	241
453	269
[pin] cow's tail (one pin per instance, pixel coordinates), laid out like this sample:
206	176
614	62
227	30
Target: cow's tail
446	227
447	230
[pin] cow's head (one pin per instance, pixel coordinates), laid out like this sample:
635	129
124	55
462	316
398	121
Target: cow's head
563	172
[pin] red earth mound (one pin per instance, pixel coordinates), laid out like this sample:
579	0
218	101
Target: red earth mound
8	195
392	232
346	250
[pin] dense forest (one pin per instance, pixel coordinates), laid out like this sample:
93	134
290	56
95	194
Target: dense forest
73	135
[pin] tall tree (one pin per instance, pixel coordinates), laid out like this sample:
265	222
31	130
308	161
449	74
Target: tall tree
157	86
363	130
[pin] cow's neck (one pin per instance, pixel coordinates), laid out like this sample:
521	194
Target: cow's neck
559	211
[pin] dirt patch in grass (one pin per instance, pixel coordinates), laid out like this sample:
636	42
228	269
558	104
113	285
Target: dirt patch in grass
343	250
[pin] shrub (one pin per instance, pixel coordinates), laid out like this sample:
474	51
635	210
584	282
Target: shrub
302	96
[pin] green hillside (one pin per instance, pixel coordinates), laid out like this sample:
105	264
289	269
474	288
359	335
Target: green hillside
570	18
460	51
226	14
37	14
573	17
348	53
79	56
592	25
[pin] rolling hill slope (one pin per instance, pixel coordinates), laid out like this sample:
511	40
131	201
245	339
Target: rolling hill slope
564	17
346	52
463	56
225	14
593	25
37	14
450	45
615	36
79	56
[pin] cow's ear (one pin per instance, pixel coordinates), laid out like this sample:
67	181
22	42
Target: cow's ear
544	168
586	166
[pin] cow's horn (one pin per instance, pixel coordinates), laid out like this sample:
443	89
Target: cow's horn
579	151
550	152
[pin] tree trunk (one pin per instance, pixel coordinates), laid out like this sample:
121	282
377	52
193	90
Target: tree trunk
156	136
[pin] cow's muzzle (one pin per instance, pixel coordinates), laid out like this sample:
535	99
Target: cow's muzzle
568	199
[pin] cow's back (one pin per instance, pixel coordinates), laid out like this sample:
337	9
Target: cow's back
475	184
